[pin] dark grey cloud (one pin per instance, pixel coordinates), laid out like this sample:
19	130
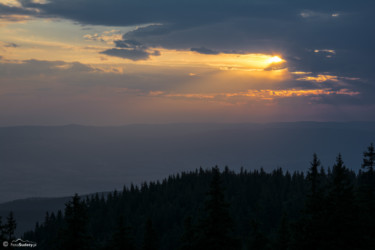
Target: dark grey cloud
11	45
127	43
37	67
16	14
130	49
129	12
293	28
203	50
20	73
12	10
132	54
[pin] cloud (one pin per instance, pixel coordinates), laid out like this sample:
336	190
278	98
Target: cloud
127	44
34	67
58	91
330	41
128	12
319	78
11	45
289	27
19	74
12	11
130	49
263	94
132	54
15	10
203	50
8	45
108	37
309	14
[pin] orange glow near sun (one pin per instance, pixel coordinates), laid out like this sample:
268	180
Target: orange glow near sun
222	61
275	59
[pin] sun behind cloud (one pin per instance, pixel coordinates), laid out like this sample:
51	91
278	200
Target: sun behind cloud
275	59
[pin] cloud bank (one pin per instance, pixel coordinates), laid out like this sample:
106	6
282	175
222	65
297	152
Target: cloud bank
327	48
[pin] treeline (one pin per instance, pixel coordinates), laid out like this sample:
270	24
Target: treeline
7	228
330	208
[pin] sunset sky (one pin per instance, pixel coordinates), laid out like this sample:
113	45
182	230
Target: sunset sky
114	62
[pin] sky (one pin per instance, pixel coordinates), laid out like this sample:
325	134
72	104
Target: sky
112	62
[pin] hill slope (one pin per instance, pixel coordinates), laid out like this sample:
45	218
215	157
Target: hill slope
60	161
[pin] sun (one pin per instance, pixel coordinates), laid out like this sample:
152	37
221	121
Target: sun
275	59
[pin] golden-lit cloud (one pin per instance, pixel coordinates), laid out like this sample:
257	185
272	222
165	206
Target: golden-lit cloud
319	78
263	94
8	19
18	15
40	1
232	62
11	3
300	73
86	47
172	78
107	37
331	51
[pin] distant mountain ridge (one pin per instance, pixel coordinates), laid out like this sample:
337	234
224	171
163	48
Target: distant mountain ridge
57	161
31	210
28	211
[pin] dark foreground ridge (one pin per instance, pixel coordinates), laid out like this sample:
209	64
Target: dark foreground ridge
331	208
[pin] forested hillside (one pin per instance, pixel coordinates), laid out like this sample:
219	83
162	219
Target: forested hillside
327	208
39	161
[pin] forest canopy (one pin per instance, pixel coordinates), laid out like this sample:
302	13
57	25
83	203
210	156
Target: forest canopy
324	208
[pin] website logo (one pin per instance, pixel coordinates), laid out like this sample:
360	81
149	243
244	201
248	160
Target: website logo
19	243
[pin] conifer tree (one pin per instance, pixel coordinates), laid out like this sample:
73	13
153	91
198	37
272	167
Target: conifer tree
283	235
188	237
121	238
150	240
2	228
330	220
216	228
10	227
75	235
341	214
366	197
369	158
257	240
313	175
308	230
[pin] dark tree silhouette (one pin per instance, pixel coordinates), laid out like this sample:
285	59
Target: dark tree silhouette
216	228
150	239
330	209
122	237
369	158
10	227
283	235
341	211
188	237
366	198
2	230
257	240
75	235
313	175
330	219
309	230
